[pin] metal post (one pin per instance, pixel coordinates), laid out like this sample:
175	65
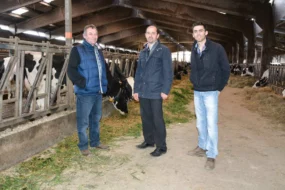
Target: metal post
21	76
255	56
237	54
68	22
68	42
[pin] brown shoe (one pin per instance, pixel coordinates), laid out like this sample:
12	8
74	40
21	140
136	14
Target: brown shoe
210	164
102	146
85	152
197	152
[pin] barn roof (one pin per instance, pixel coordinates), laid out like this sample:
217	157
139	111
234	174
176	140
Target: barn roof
122	23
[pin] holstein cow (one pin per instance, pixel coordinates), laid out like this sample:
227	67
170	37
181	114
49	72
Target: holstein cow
263	81
120	89
11	88
32	70
33	59
247	71
236	69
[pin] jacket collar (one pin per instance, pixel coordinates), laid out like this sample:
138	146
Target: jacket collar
207	44
88	45
155	47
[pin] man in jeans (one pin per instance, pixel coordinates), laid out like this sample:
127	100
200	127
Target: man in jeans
210	72
86	69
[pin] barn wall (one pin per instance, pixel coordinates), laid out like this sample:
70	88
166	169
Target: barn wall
34	137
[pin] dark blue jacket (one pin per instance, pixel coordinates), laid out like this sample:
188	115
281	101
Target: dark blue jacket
83	70
211	71
154	74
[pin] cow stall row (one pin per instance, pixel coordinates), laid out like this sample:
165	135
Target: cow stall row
273	76
33	80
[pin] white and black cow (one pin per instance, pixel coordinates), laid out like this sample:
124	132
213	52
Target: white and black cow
120	89
263	81
34	59
31	65
283	93
248	71
236	69
11	88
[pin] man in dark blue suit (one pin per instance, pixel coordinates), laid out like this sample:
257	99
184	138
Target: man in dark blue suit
153	82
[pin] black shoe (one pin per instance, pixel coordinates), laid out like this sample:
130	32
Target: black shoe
158	152
144	145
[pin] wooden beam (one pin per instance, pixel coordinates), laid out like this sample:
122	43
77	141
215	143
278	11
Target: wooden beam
9	5
245	9
118	26
104	17
189	32
122	34
57	14
268	41
191	14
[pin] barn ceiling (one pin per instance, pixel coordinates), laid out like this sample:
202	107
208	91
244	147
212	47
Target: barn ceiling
122	23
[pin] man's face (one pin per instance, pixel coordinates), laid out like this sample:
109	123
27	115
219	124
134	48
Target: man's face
91	36
151	34
199	33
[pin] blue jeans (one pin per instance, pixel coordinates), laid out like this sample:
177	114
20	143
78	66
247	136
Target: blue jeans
88	113
206	108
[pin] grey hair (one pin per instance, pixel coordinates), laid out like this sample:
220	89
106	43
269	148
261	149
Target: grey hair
88	26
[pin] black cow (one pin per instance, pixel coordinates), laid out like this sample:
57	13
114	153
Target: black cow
119	89
179	70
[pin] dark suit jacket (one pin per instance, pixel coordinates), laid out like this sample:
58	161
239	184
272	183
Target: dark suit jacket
154	73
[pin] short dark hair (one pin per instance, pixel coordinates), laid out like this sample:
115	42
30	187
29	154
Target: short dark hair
153	25
199	24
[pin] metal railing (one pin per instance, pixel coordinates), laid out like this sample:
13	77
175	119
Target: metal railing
19	109
22	109
277	77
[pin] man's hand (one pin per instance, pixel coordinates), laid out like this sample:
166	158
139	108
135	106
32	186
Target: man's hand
164	96
136	96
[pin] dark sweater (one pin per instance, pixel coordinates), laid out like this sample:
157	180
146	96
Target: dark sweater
72	71
211	70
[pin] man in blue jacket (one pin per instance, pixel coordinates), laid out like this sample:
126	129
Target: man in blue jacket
86	69
153	82
210	72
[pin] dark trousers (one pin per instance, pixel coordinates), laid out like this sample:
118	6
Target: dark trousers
154	131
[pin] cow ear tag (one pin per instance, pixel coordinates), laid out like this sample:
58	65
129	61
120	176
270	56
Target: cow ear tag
111	99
